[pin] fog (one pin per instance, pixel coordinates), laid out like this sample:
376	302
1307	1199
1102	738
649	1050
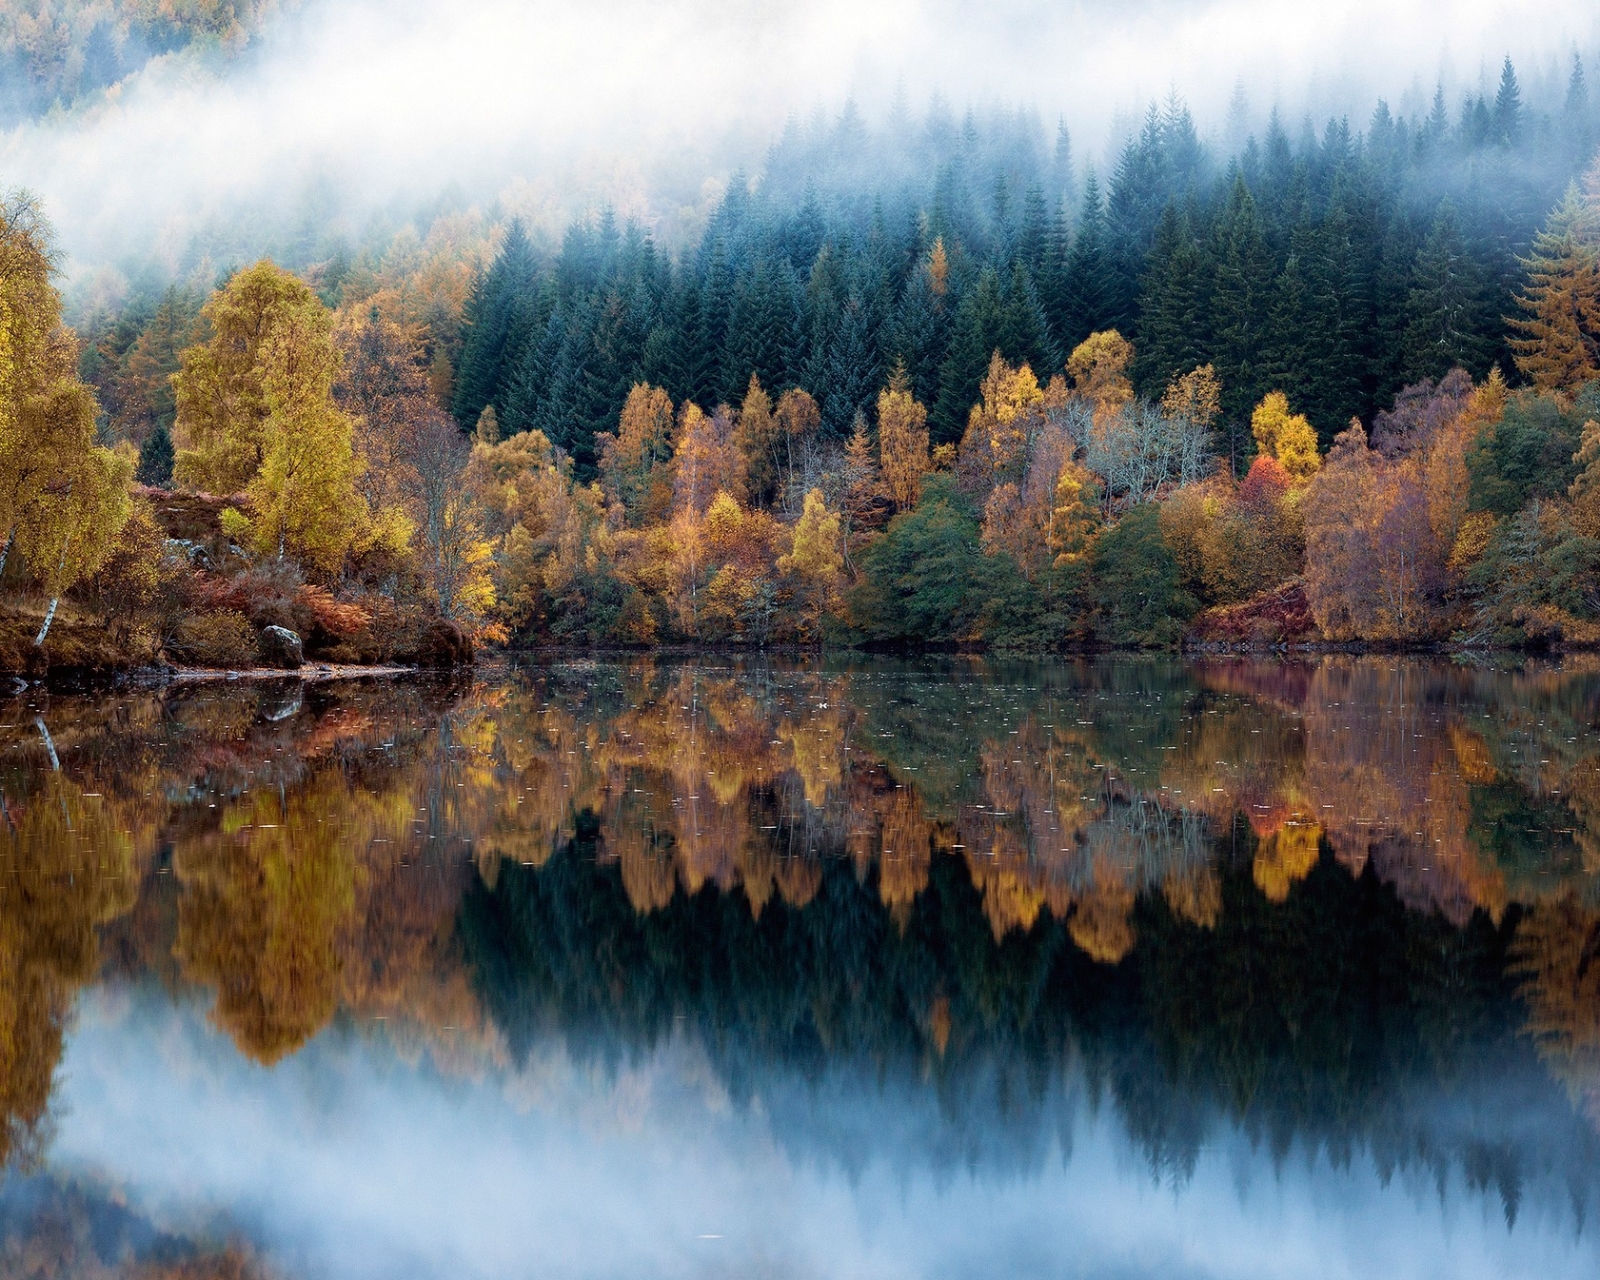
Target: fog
348	108
345	1161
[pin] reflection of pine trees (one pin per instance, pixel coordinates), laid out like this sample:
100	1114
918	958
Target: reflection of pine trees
1336	1021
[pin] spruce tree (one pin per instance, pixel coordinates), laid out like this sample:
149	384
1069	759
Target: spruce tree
497	321
1445	305
1172	334
1240	302
1508	108
978	324
156	457
1085	305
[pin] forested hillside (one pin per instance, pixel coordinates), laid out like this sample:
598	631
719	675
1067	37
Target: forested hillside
932	381
54	53
1337	266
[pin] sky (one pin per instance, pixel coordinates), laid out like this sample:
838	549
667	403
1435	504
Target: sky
553	107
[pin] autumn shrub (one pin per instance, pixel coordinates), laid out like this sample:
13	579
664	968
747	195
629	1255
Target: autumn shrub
125	593
217	638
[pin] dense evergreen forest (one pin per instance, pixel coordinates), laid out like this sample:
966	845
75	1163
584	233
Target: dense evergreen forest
1337	266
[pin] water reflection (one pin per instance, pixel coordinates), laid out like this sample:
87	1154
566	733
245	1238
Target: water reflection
928	917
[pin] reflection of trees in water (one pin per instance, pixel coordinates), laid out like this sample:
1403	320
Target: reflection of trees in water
1337	1022
63	871
71	1229
977	864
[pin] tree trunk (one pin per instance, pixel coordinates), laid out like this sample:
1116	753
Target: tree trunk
5	551
49	617
50	613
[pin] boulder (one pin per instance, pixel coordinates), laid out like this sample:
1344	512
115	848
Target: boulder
281	647
444	644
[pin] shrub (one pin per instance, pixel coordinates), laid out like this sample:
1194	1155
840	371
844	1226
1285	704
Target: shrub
221	638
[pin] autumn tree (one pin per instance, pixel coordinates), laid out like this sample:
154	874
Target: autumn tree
63	498
706	459
763	442
1374	568
1197	396
1585	491
1099	369
455	552
222	411
633	461
1000	428
1558	346
302	495
256	413
552	567
902	441
1284	436
815	559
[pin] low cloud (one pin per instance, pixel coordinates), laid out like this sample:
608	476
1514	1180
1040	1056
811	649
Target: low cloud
358	107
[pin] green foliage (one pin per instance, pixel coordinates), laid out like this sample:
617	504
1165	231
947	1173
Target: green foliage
1528	453
924	580
156	458
1141	602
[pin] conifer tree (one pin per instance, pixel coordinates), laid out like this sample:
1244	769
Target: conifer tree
1084	304
497	323
1559	343
1444	309
156	458
1508	107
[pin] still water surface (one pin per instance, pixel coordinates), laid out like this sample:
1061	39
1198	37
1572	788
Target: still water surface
854	968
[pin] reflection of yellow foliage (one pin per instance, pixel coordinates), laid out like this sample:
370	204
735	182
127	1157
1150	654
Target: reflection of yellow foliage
261	913
1285	857
1195	896
1101	924
817	748
66	867
1472	755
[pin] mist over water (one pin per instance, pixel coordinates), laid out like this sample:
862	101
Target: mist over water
342	111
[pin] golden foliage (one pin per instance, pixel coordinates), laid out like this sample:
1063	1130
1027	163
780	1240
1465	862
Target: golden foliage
1099	369
1559	346
1286	437
902	441
1197	395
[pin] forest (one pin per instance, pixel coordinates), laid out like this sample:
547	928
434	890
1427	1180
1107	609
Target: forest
931	382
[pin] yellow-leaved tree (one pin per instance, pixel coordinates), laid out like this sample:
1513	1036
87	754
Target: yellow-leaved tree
63	499
1558	347
1285	437
256	414
902	440
1099	368
815	559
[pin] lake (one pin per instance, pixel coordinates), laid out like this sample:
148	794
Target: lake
851	967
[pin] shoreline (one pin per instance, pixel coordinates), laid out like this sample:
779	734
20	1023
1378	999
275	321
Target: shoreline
69	679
